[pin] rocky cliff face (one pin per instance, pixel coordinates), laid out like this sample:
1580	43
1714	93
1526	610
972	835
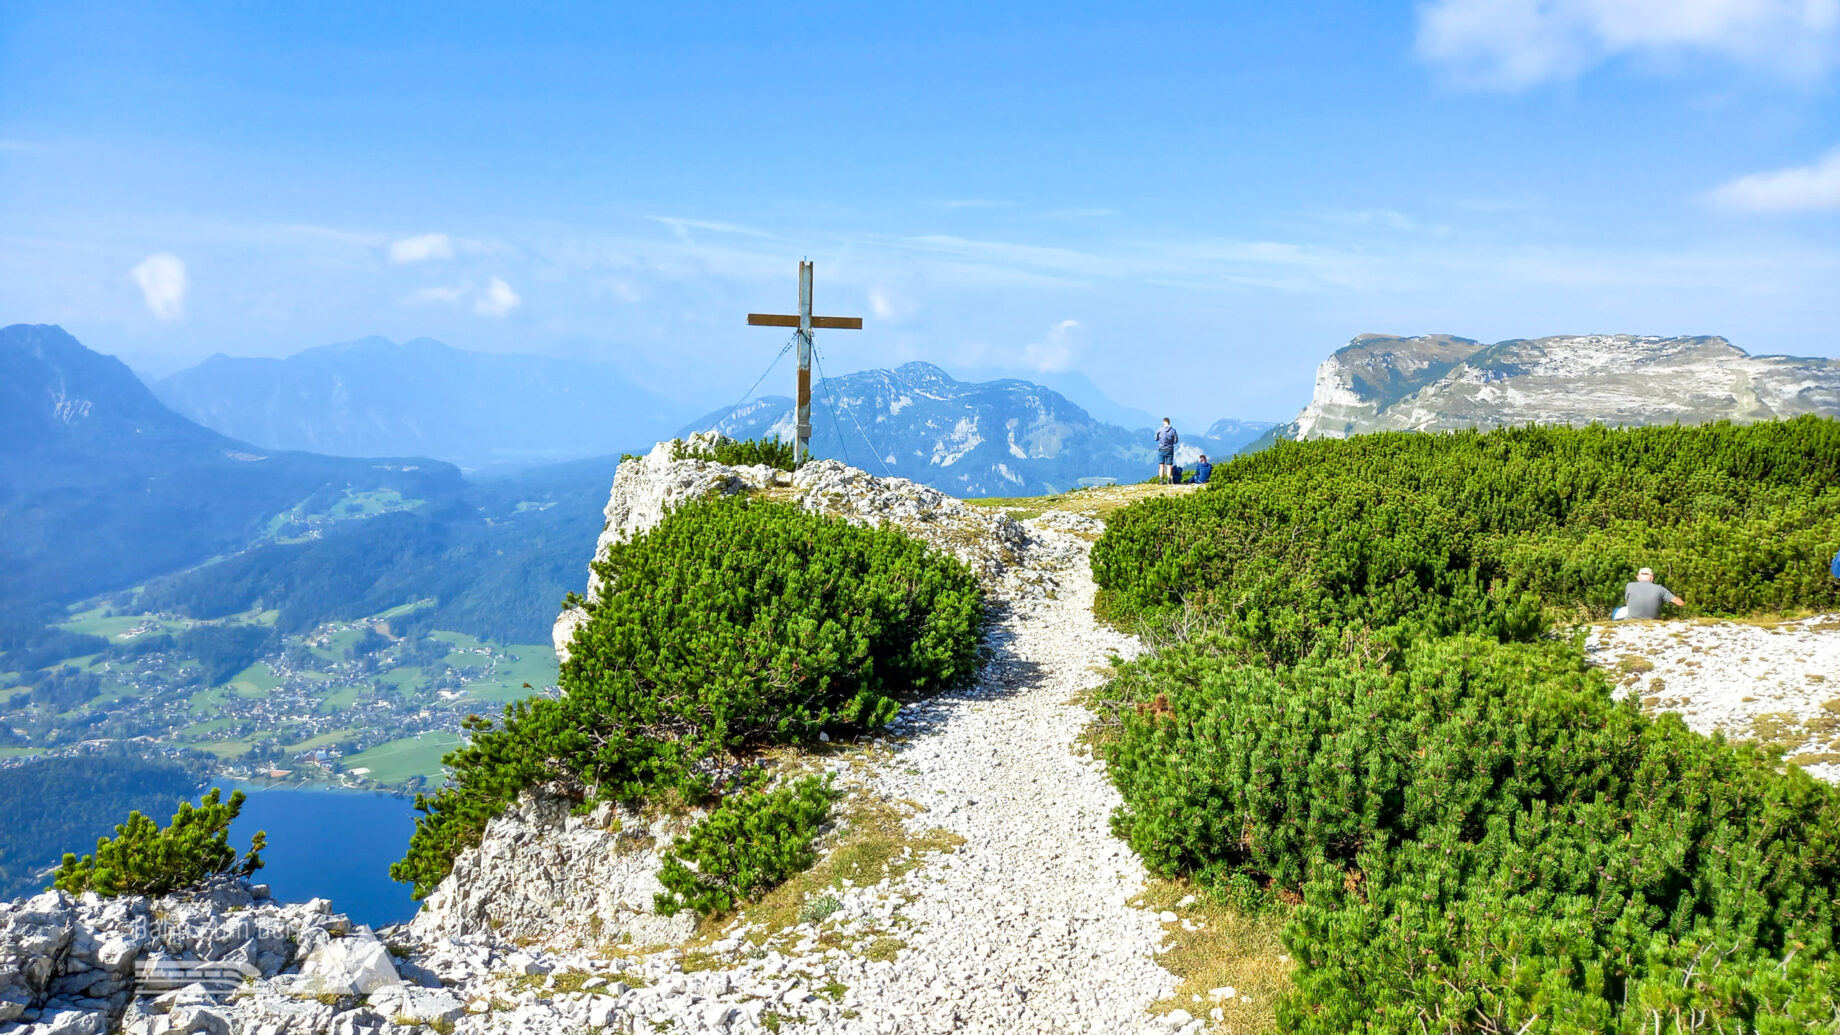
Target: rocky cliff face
1440	383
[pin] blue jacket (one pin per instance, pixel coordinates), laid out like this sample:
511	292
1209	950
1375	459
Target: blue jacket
1202	470
1166	437
1835	567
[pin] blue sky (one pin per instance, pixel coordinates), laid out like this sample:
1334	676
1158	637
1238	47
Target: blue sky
1192	204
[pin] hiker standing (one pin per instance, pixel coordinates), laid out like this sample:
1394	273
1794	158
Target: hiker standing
1166	439
1643	597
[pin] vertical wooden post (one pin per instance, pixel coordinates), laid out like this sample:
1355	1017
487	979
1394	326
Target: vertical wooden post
802	443
804	323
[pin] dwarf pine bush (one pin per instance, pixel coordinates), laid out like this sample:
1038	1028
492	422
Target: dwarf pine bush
144	858
772	451
747	845
1481	839
1446	532
730	625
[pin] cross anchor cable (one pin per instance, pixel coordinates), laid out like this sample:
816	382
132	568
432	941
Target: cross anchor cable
805	323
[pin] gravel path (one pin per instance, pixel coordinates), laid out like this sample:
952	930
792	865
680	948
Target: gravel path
1024	927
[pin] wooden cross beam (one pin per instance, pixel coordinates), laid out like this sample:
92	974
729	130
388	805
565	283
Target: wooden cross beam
806	323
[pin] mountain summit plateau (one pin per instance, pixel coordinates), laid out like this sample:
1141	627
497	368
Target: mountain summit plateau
1439	382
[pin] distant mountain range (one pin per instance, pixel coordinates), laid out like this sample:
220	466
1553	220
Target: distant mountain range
373	397
1441	382
994	438
102	486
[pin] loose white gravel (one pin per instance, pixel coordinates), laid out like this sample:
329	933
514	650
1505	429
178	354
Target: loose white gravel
1770	682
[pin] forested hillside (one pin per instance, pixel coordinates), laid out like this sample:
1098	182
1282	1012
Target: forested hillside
1367	708
57	805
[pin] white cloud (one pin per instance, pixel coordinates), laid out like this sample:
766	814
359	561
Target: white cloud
1513	44
497	299
881	304
422	248
1054	352
1800	189
162	280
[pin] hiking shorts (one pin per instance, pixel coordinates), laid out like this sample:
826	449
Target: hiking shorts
1166	455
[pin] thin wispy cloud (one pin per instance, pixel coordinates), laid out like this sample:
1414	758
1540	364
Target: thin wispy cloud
1515	44
163	284
421	248
437	293
1803	188
682	227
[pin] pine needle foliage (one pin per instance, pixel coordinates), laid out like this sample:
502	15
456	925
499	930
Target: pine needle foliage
730	625
745	847
772	451
1478	837
144	858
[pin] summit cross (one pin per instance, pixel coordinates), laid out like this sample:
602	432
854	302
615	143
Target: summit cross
806	323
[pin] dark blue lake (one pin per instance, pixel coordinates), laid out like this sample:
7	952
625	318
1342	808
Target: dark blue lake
332	844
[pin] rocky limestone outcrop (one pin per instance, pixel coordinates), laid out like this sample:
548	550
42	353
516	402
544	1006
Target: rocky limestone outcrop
151	966
544	873
1442	383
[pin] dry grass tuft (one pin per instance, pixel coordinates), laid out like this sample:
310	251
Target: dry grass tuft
1228	949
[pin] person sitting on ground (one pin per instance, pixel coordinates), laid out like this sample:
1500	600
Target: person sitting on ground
1643	597
1166	439
1203	470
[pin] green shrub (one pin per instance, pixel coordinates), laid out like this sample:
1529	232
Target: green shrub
1294	567
745	453
729	625
745	847
145	859
1476	830
1481	840
1447	532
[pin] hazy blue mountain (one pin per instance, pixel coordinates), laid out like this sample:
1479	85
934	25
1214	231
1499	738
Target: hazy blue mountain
101	486
994	438
373	397
495	557
1227	436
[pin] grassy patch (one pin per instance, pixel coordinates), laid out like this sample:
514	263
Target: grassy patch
872	845
1098	502
1229	949
398	760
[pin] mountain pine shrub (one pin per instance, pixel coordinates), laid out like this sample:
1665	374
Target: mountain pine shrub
1370	722
144	858
772	451
745	847
730	625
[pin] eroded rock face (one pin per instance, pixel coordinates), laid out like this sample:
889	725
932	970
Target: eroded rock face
1440	383
648	488
542	873
87	964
